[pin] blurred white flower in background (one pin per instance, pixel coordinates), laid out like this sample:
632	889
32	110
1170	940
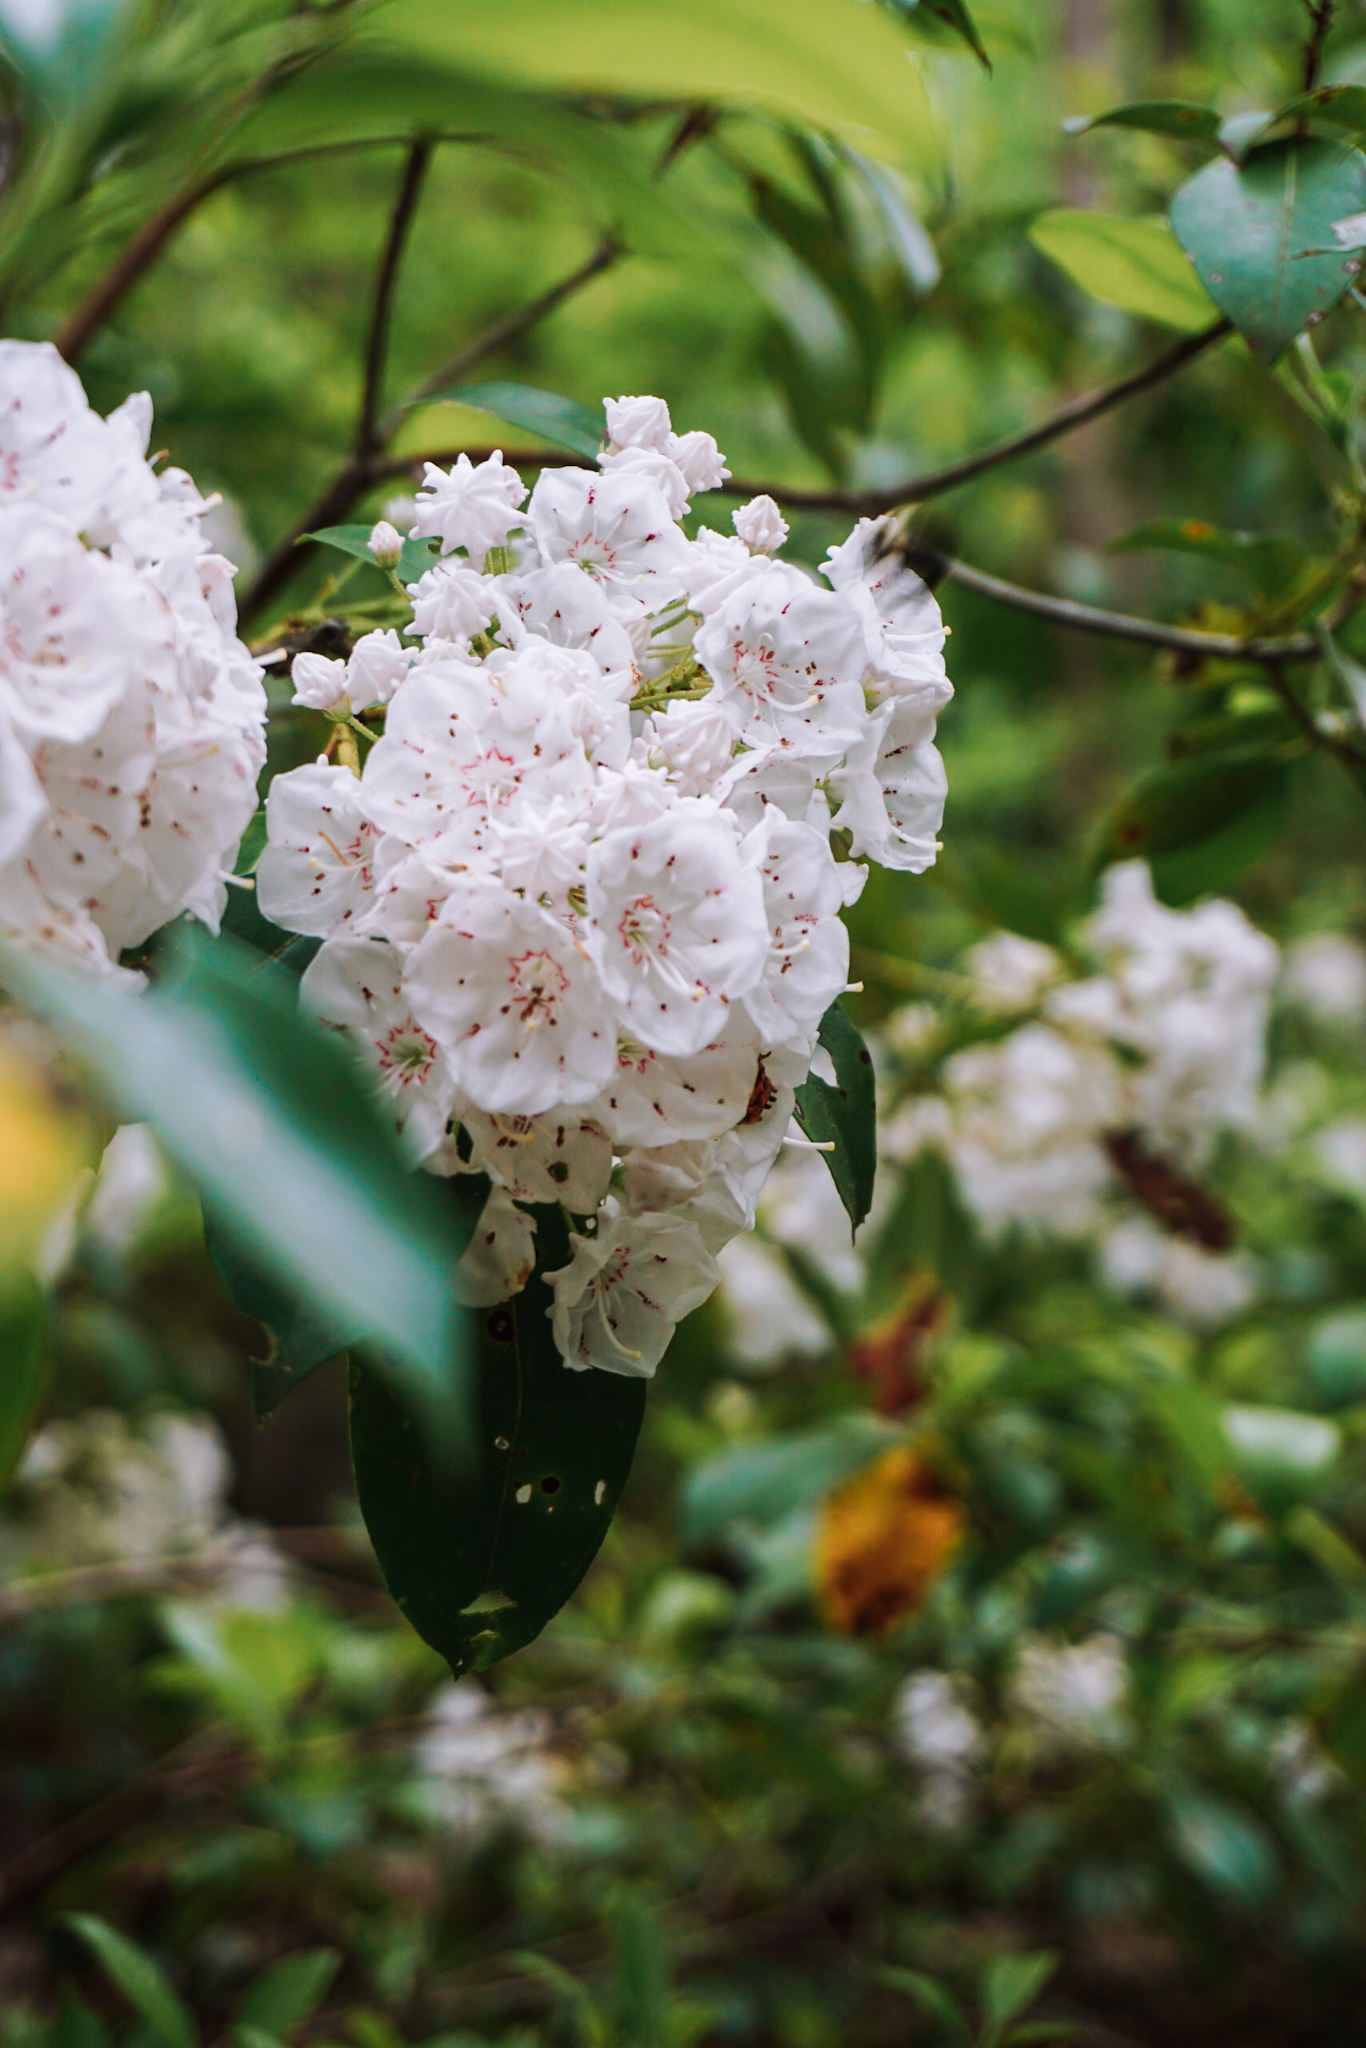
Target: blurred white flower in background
102	1489
934	1727
1074	1695
1326	975
480	1763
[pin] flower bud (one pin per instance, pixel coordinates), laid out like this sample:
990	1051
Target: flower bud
637	423
386	544
699	458
760	525
378	664
320	684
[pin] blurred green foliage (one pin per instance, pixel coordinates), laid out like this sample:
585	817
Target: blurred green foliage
689	1812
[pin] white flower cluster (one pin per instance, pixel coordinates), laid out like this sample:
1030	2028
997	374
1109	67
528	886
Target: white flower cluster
581	910
1168	1042
131	715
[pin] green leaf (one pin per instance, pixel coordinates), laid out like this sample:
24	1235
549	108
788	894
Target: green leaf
301	1336
1185	119
480	1568
953	14
837	64
1329	109
416	559
1135	264
64	47
289	1993
1337	1357
844	1117
1271	561
24	1350
1225	1845
1010	1984
139	1979
1248	230
759	1484
1191	1418
564	421
1198	822
271	1118
931	1996
1281	1455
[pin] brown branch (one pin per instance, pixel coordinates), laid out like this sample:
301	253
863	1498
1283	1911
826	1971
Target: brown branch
505	331
359	471
1349	757
368	432
151	239
1076	413
1321	17
939	568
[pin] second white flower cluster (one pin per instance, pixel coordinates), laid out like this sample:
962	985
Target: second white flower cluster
581	908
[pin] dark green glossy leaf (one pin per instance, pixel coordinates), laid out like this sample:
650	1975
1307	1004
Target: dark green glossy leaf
139	1979
1198	822
417	556
759	1484
272	1120
1272	561
1249	228
1135	264
480	1566
563	421
1185	119
843	1118
23	1349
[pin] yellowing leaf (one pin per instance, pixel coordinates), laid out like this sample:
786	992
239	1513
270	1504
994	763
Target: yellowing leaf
883	1539
1136	264
41	1156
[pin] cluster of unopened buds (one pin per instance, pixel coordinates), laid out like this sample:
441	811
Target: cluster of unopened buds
580	900
131	716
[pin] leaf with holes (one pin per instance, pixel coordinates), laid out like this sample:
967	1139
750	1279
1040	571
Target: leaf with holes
843	1118
416	559
1184	119
563	421
1256	233
479	1568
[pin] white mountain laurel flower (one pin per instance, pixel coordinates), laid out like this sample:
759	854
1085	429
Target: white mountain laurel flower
131	716
385	544
580	911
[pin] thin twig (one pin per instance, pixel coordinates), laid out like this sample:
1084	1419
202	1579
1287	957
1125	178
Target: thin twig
106	296
1076	413
1342	751
369	434
939	568
504	332
359	471
1321	16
